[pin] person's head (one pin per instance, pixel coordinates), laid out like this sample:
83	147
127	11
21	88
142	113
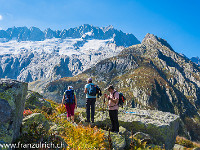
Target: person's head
89	80
111	88
70	87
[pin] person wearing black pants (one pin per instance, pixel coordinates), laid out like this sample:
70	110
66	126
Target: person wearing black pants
114	120
113	99
90	103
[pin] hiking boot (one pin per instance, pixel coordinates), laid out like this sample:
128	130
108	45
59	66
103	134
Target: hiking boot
87	121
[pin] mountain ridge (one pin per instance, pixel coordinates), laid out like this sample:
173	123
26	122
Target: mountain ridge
31	54
84	31
196	60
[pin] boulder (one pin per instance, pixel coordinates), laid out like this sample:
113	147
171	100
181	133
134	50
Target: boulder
12	100
35	117
161	126
142	136
126	134
5	111
118	141
35	100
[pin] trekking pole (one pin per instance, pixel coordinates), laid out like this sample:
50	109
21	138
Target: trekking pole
106	110
104	100
103	112
103	104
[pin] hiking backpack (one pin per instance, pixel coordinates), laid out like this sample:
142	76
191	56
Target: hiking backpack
121	98
98	92
69	96
92	90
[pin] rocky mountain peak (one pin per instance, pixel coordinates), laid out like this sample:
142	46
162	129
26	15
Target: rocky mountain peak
86	26
105	29
150	39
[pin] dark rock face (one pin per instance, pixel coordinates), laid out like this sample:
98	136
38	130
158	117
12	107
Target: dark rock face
12	101
5	111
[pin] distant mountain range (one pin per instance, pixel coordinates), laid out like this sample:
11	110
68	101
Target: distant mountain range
32	54
85	31
196	60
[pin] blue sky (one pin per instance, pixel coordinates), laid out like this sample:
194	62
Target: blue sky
177	21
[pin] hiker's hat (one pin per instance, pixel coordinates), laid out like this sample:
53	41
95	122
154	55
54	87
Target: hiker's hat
70	87
89	79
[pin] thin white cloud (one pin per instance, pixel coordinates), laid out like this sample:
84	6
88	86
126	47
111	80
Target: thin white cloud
1	17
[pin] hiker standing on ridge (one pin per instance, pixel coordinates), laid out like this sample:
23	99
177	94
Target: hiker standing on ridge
113	99
70	102
90	91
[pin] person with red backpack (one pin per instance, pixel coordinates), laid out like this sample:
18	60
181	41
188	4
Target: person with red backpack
70	102
113	103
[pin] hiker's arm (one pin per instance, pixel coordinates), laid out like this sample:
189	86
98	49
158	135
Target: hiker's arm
85	91
75	101
114	100
63	99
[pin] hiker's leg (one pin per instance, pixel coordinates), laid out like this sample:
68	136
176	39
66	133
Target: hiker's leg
111	119
88	109
93	109
68	111
116	122
72	111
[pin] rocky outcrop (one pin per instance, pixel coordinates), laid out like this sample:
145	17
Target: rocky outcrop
118	141
12	101
37	118
35	100
162	127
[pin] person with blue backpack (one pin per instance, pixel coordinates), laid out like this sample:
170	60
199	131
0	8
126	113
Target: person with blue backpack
91	90
70	102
